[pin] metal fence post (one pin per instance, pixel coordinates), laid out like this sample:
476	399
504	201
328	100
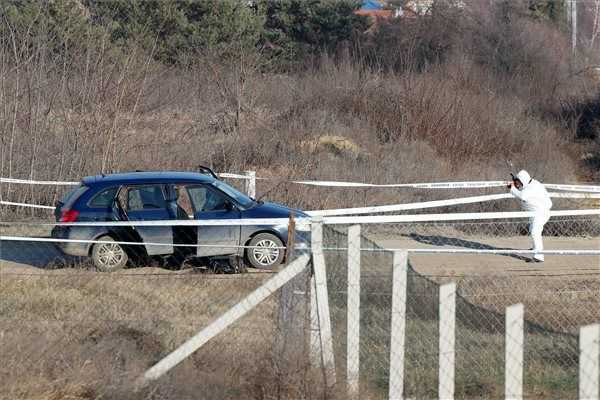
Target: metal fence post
514	337
353	318
399	281
447	309
320	303
251	183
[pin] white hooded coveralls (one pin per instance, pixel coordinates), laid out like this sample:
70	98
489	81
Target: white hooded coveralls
535	198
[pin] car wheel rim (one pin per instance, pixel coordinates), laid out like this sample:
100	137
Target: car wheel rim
110	255
266	252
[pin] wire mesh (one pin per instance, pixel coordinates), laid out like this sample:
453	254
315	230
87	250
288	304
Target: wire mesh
557	302
67	329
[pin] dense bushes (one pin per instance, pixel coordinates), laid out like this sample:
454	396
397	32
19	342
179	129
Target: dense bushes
177	31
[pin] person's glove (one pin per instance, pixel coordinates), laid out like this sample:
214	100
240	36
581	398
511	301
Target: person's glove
509	185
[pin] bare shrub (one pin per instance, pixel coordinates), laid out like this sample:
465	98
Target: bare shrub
445	107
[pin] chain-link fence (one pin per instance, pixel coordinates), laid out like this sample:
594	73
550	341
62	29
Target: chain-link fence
68	330
557	300
76	333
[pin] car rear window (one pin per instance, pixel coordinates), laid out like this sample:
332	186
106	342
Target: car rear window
104	199
148	197
71	197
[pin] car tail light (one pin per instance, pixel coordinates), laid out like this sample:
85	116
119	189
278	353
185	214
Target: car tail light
69	216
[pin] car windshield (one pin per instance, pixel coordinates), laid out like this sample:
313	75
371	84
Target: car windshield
239	197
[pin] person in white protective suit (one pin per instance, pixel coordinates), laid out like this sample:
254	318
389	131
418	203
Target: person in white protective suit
535	198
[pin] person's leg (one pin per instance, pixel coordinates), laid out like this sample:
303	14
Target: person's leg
536	228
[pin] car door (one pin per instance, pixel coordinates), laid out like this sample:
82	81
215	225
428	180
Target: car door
210	203
147	203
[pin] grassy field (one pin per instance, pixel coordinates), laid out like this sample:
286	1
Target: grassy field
73	333
76	334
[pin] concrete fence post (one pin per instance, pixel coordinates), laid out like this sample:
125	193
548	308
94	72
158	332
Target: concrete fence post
251	184
447	310
320	305
353	318
398	329
589	362
514	338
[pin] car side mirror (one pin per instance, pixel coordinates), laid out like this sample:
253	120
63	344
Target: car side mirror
229	206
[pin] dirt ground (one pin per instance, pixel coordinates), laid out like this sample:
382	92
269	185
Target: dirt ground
43	257
19	256
494	264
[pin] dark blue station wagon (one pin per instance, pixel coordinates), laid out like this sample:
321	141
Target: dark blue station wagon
153	196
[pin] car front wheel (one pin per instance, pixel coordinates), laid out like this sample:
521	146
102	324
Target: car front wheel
266	251
108	257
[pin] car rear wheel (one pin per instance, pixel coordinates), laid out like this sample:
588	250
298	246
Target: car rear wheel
266	251
108	257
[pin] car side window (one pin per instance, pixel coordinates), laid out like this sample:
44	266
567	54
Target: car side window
205	199
104	199
147	197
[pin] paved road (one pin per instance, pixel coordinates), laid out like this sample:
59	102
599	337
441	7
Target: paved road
30	254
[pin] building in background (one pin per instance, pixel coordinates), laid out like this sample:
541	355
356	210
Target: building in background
377	9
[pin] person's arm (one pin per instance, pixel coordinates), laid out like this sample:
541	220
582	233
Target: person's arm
516	193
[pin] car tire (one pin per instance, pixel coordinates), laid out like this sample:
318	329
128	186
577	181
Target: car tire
108	257
265	251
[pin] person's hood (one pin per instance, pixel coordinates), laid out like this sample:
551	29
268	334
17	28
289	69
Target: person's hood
524	177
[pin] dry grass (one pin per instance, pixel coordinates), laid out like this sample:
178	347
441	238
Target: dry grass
456	118
75	334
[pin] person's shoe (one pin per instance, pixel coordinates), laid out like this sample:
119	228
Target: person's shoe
533	260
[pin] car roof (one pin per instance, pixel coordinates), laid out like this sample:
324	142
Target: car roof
147	177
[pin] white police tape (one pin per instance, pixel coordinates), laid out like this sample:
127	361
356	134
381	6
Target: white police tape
569	195
71	183
573	188
85	241
386	219
341	184
393	207
410	206
434	185
445	185
588	252
302	223
303	246
439	203
12	203
234	176
31	182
